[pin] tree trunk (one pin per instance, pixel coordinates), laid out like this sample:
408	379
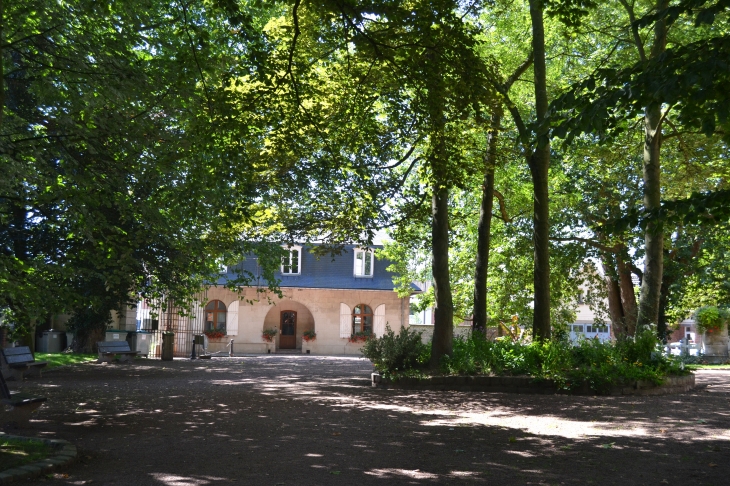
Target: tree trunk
653	235
615	308
539	164
479	323
2	64
628	297
443	328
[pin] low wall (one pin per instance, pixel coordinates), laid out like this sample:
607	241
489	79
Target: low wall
526	384
427	331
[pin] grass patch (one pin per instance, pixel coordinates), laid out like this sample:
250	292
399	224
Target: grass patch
63	359
708	366
16	452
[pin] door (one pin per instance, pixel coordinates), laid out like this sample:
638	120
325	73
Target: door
288	336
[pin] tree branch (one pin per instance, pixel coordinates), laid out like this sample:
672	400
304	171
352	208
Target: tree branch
502	206
634	29
594	244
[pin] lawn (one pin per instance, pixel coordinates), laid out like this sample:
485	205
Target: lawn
63	359
709	367
15	453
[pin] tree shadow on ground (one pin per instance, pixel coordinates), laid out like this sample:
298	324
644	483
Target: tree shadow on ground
317	421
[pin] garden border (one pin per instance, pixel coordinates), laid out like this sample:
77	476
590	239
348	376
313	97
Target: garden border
65	454
527	384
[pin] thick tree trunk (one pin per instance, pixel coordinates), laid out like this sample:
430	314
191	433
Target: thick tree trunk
539	164
613	290
443	328
662	330
628	297
653	235
479	323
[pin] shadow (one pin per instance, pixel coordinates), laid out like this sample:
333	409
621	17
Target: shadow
314	420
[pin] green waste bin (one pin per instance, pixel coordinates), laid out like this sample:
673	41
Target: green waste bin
168	345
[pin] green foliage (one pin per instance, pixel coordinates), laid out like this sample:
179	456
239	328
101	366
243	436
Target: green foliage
711	318
65	359
600	365
394	354
19	452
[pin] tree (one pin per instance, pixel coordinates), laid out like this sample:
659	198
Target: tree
661	85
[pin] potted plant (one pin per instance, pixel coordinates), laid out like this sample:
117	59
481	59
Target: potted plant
309	336
214	334
712	321
359	337
268	335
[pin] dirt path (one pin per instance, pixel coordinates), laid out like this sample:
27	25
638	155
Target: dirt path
298	420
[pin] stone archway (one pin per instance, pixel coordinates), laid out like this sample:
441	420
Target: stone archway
305	319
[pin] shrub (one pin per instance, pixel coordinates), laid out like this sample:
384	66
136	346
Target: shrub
394	354
710	318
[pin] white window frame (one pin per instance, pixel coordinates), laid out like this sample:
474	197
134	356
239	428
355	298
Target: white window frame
359	266
288	260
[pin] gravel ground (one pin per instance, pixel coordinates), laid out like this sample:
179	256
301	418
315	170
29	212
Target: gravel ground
301	420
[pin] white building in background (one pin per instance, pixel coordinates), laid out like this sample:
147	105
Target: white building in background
586	327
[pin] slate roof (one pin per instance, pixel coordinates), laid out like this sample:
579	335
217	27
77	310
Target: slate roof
325	272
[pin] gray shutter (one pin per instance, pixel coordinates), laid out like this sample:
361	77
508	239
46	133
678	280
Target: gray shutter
232	319
379	321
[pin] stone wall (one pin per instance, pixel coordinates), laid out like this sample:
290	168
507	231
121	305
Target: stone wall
526	384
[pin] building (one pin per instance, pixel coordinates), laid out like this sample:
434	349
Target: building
336	299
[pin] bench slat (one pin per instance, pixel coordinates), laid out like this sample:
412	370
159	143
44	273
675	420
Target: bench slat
16	400
18	360
114	345
18	350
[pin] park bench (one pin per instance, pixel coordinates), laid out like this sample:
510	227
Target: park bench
21	406
18	362
109	349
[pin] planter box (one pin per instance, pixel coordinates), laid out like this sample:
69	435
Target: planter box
715	344
526	384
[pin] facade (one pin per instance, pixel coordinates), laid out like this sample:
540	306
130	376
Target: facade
335	298
586	327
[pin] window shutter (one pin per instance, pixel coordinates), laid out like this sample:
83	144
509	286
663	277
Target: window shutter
379	321
345	321
232	319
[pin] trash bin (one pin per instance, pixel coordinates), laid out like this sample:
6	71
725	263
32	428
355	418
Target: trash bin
115	335
52	341
140	341
168	345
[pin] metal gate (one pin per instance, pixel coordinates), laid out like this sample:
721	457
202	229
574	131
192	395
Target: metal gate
185	323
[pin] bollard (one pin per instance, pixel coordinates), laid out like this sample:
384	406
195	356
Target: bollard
230	351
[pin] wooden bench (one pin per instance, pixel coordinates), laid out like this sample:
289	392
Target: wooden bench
21	406
18	362
109	349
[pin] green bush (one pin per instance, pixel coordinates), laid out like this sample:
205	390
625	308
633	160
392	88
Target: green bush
598	364
395	354
710	318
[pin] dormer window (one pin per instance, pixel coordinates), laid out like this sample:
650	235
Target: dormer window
364	263
291	263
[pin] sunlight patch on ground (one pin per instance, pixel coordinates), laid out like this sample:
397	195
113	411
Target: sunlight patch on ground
463	474
173	480
391	473
547	425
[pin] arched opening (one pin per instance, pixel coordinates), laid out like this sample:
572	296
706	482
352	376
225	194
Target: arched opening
280	317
